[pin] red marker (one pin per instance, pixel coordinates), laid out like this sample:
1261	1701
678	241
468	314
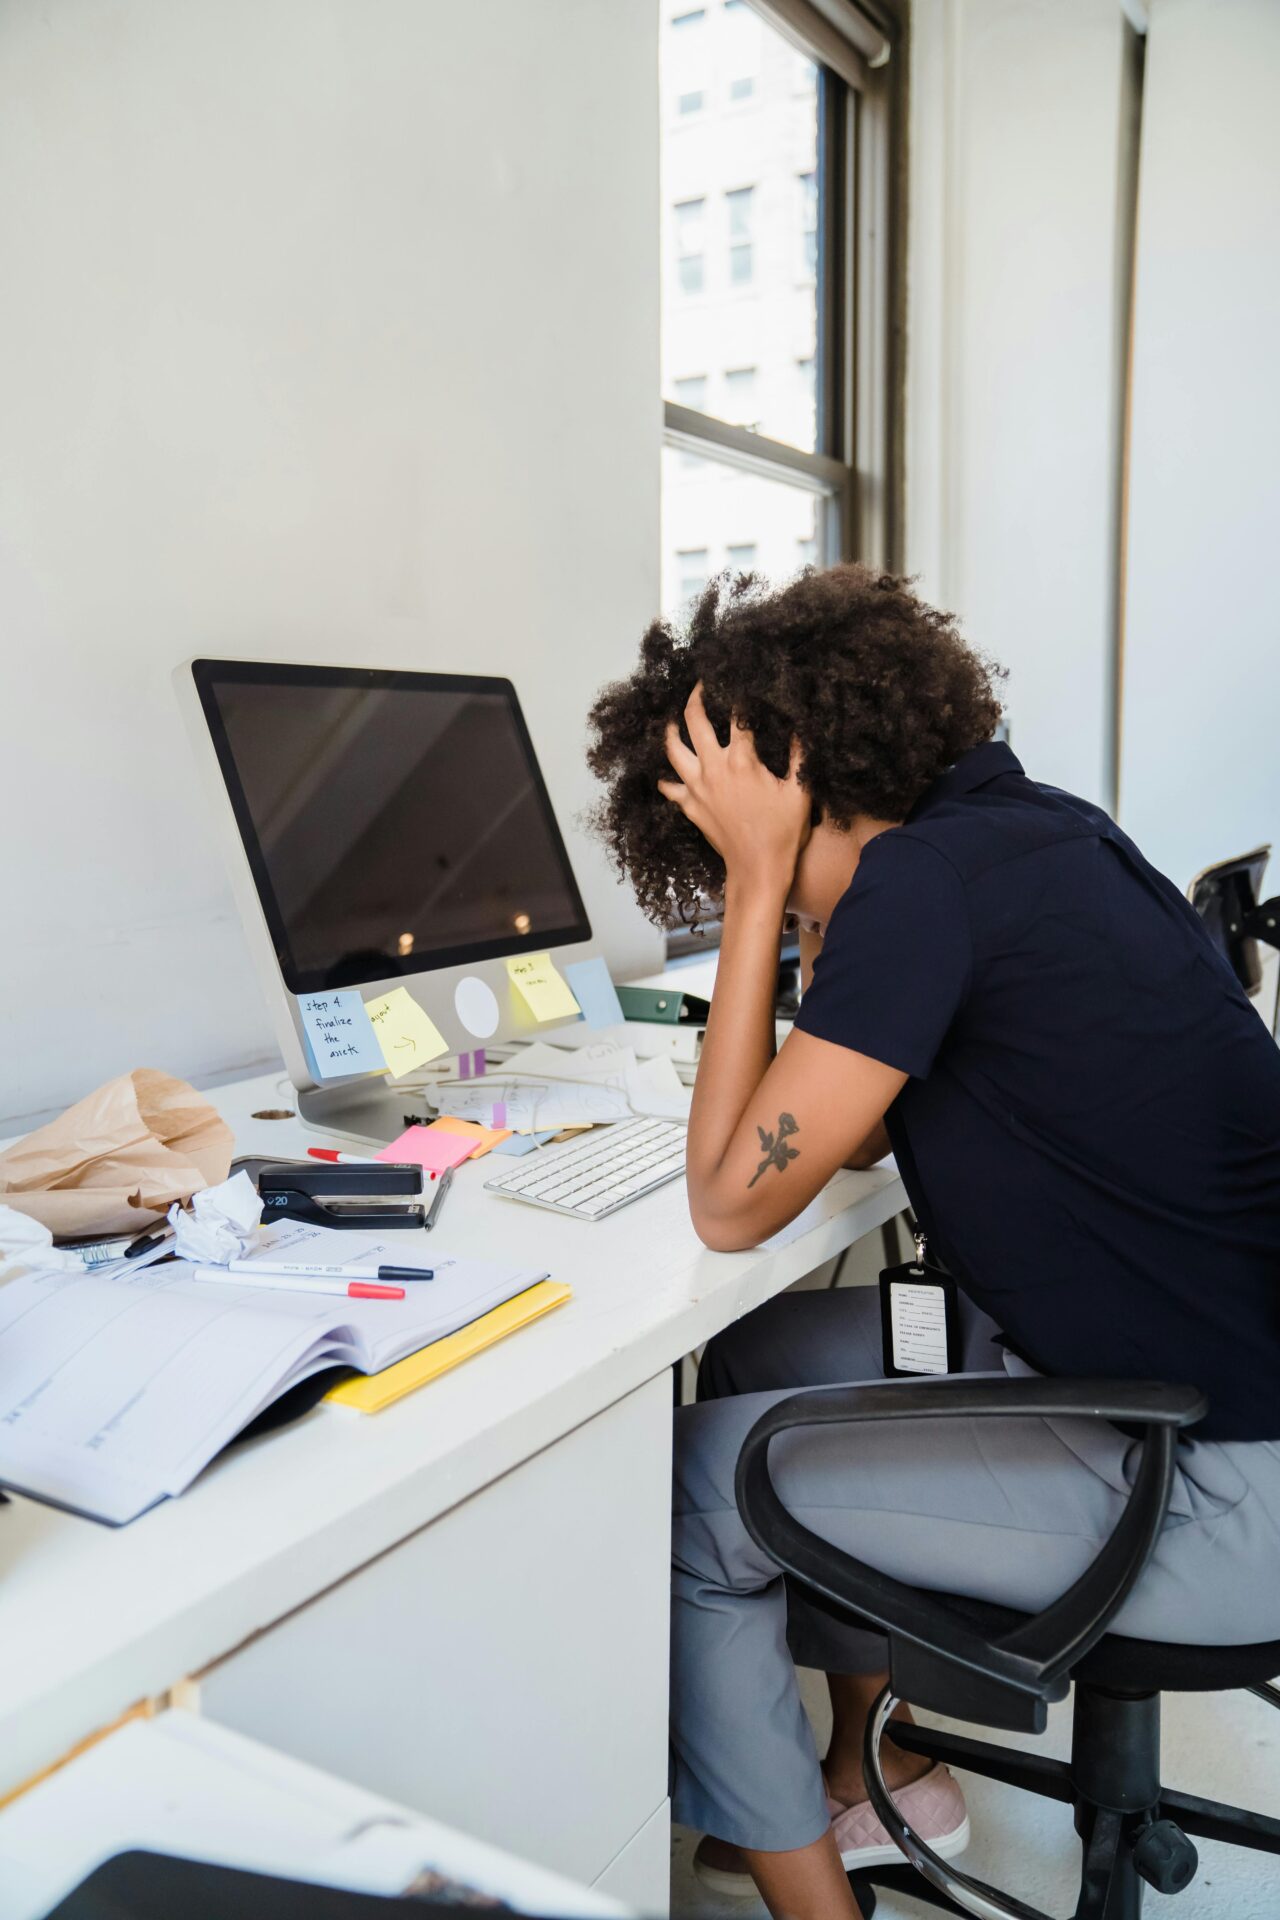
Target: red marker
342	1159
295	1283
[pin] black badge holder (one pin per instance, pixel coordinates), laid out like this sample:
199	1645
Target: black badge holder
332	1196
919	1318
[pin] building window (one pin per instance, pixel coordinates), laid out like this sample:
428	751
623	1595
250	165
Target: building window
740	203
691	572
691	18
692	391
806	552
741	558
743	87
740	397
689	224
690	102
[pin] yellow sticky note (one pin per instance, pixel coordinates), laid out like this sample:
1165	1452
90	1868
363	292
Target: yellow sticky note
407	1037
544	991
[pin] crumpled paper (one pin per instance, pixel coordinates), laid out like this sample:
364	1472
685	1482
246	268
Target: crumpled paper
221	1225
115	1161
27	1247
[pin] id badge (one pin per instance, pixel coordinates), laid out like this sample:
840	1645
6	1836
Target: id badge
919	1318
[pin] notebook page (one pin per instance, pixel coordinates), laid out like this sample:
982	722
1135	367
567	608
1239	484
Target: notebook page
114	1392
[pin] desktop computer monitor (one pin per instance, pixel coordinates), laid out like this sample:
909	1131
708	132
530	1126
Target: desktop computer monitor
385	829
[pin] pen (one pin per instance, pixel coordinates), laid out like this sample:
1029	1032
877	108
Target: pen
144	1244
353	1289
343	1159
446	1181
406	1273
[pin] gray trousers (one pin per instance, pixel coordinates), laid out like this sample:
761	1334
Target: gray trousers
1008	1511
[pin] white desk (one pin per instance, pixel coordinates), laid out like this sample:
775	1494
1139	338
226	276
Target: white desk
499	1662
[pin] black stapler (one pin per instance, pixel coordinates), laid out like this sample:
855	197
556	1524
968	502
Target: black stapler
342	1196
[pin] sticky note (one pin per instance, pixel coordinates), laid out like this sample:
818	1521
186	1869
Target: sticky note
482	1139
521	1143
408	1039
428	1147
338	1035
540	987
594	992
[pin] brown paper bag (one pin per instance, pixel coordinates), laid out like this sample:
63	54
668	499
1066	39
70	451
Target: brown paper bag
116	1161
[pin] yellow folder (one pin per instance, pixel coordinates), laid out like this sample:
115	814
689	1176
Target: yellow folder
374	1391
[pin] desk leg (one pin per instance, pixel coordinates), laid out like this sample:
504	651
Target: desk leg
505	1669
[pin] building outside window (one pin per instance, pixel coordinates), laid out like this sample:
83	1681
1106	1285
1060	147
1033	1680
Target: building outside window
741	559
809	220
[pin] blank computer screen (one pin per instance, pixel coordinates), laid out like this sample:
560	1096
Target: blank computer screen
393	821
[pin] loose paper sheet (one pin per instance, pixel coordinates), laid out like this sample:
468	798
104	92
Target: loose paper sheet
339	1035
405	1034
542	989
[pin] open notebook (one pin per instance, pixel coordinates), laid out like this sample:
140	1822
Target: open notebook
115	1392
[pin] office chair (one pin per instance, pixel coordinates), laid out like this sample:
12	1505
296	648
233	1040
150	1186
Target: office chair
1226	898
973	1661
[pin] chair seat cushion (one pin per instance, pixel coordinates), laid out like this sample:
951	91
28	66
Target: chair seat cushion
1145	1666
825	1636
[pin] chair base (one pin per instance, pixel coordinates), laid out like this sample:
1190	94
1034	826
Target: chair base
1114	1759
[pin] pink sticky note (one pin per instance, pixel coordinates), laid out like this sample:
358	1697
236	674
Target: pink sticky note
428	1147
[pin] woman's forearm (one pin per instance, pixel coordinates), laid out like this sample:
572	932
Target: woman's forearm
741	1036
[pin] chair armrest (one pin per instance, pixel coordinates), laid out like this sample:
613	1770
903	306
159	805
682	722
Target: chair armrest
937	1657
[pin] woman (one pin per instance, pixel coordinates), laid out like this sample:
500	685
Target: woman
1085	1110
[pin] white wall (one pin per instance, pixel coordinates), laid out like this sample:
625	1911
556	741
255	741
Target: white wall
329	331
1200	771
1018	127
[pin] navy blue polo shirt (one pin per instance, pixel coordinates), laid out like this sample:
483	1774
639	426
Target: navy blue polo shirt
1091	1131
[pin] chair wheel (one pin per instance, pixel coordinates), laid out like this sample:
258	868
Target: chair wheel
1165	1857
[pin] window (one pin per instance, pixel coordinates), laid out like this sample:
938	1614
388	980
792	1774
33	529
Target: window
783	279
740	204
691	102
689	218
691	572
740	397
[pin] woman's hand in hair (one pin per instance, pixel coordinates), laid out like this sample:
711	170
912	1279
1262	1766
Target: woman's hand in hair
757	823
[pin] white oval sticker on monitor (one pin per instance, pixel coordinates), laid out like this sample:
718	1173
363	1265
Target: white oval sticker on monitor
476	1005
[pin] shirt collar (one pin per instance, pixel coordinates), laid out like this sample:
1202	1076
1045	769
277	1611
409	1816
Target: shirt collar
973	769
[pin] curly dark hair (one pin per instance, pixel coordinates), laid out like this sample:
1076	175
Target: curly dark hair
879	690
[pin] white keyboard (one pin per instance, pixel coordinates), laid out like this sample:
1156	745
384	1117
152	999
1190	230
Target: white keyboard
607	1169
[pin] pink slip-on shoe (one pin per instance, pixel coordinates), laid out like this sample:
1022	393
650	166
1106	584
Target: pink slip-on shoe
933	1806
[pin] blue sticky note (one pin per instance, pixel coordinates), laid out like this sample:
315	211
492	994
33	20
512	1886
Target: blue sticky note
594	992
522	1143
338	1035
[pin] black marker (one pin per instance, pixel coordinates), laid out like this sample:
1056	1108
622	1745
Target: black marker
144	1244
406	1273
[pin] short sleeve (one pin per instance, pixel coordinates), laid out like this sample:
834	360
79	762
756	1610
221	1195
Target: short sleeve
896	957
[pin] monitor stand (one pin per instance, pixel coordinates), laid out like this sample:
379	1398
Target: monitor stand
365	1112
